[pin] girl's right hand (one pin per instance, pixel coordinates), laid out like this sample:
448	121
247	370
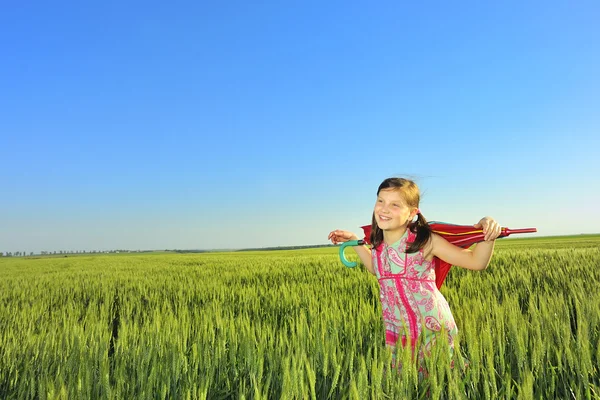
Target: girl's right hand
339	236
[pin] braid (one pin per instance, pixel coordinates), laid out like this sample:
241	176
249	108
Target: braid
376	233
423	231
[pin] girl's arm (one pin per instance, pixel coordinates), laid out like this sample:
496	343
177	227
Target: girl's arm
477	259
365	256
339	236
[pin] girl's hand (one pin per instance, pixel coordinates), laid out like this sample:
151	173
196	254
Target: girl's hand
339	236
491	228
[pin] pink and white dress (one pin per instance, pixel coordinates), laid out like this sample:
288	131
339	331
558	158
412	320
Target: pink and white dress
413	307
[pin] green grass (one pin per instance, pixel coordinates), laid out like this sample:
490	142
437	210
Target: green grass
292	324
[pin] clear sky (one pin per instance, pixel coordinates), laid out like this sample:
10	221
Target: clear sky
202	125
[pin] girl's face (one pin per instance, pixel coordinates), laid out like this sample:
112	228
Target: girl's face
391	212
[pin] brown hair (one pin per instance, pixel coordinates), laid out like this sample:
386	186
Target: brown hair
411	195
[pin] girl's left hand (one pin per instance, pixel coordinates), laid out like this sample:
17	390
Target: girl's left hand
491	228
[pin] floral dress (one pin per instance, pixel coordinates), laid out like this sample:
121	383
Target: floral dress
413	308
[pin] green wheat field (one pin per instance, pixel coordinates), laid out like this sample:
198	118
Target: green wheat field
293	324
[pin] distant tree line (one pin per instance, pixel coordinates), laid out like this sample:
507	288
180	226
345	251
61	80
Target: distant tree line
314	246
15	254
74	252
67	252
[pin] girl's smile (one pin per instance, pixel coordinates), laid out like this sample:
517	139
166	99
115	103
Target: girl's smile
391	212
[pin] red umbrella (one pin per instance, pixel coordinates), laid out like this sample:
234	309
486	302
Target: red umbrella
460	235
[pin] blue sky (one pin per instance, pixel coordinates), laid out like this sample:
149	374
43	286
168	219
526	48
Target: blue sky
197	125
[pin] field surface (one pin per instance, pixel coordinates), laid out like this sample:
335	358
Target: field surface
292	324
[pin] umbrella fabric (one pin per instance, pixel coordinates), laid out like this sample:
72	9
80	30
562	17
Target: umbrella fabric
460	235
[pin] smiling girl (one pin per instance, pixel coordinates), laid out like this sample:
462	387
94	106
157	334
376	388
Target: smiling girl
414	310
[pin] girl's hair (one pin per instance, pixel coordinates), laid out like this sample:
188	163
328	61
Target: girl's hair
410	193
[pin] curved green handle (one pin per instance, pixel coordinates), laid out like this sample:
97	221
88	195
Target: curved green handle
349	264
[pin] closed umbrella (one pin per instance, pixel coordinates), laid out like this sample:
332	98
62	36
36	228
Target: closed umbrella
460	235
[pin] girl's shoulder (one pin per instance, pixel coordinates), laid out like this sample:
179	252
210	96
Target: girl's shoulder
429	245
376	250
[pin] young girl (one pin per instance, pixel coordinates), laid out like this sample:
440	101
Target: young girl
414	310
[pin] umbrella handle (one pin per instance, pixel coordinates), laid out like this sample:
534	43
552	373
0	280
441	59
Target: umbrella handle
349	264
506	231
